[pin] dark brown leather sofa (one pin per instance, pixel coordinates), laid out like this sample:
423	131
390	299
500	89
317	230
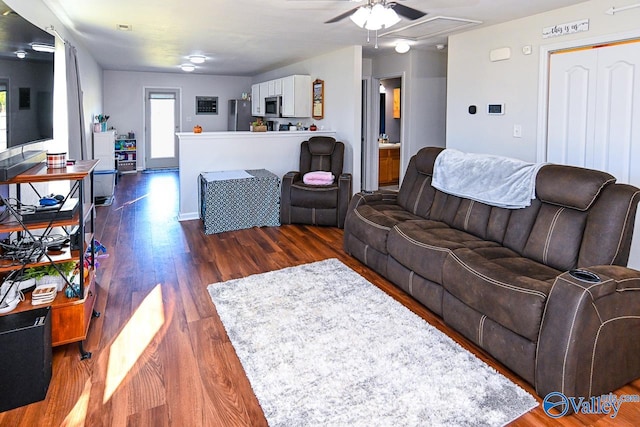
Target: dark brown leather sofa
502	277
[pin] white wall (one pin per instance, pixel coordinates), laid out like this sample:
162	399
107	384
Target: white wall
474	80
124	99
341	71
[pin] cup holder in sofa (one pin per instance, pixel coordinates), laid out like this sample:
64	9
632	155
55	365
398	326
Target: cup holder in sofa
584	275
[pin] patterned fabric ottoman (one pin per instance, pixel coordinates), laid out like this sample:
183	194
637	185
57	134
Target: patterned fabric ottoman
233	200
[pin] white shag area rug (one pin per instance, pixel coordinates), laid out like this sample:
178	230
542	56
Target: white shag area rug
322	346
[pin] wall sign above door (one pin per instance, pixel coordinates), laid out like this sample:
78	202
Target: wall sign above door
565	29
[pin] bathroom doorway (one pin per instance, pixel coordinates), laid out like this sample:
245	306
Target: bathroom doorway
390	133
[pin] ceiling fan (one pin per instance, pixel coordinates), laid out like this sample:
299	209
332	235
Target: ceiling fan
378	14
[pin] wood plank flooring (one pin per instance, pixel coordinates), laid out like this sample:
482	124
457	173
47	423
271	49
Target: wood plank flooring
161	356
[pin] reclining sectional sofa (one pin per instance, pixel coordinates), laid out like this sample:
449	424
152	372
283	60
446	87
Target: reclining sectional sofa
543	289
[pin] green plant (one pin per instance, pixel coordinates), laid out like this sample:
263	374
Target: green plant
49	270
102	118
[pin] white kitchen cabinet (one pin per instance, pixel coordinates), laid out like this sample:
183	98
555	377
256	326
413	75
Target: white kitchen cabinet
256	106
272	87
278	87
296	96
264	92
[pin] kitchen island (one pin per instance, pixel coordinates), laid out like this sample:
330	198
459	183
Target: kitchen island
278	152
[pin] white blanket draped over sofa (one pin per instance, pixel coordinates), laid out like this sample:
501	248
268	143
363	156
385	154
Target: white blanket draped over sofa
494	180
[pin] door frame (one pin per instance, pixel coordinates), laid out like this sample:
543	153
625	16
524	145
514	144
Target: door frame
543	82
143	155
371	178
364	133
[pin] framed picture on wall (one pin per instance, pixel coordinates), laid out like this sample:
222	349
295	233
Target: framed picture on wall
318	99
396	103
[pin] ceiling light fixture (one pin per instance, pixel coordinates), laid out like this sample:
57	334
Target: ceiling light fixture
197	59
375	16
188	67
21	54
41	47
402	47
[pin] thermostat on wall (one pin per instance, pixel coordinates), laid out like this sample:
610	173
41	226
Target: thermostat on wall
495	109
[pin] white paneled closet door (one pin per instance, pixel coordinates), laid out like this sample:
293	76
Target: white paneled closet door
594	114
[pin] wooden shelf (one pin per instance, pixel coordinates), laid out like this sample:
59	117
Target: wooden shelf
11	226
57	257
41	173
70	317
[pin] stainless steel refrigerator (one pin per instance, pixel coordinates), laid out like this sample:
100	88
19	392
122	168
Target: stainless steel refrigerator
239	115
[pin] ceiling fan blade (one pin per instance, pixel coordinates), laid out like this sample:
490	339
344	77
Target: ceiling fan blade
341	17
406	11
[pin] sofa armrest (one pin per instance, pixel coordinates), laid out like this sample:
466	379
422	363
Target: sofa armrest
344	196
285	195
590	333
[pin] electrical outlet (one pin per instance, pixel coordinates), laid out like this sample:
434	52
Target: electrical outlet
517	131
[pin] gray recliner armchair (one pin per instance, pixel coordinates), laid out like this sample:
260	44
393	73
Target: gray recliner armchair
301	203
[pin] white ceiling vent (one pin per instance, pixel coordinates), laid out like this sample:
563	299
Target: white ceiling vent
431	27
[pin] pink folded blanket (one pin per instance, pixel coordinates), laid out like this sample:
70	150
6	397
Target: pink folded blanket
318	178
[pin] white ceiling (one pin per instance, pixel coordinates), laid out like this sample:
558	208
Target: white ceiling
247	37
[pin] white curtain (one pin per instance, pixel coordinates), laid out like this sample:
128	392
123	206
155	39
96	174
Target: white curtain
77	143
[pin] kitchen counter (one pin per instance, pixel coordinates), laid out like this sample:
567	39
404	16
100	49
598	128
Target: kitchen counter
276	151
388	145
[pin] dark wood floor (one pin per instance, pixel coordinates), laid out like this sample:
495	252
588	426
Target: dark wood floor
160	353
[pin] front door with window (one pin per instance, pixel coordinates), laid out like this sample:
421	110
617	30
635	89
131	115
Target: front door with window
162	123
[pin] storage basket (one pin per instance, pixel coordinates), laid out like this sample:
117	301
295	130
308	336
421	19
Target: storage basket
262	128
56	160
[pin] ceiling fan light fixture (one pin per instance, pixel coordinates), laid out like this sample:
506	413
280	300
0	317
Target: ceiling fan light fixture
188	67
361	16
390	17
376	18
21	54
402	47
197	59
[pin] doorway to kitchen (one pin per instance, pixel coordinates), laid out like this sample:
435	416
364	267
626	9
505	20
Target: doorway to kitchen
390	132
162	121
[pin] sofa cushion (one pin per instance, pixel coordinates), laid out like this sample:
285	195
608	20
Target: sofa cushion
496	281
314	196
423	245
553	181
371	223
556	237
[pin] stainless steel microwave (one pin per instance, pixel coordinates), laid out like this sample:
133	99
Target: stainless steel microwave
273	106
